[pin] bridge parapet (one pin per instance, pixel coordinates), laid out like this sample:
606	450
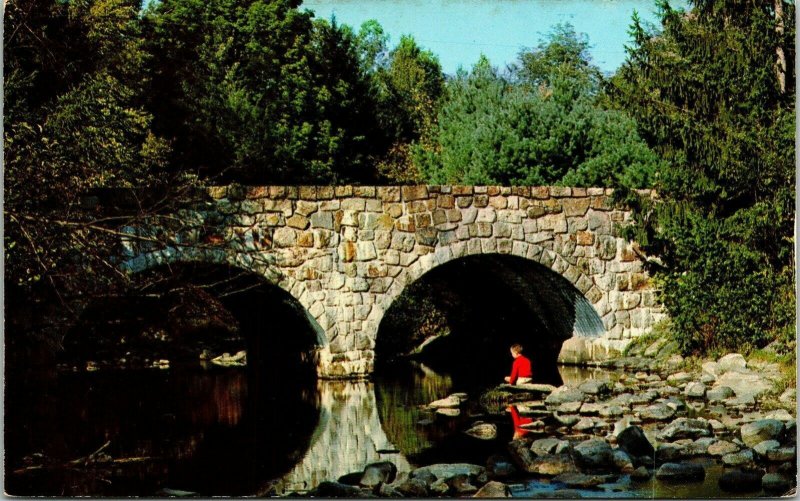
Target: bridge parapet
346	252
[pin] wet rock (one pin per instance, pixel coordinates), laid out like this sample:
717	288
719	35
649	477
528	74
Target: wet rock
564	394
595	387
742	458
633	441
762	448
681	472
585	424
531	387
413	488
500	467
740	481
483	431
545	446
551	465
685	428
719	393
569	407
462	485
622	461
446	471
657	412
580	480
378	473
732	362
594	453
781	454
695	390
451	401
493	490
448	411
699	447
669	452
336	490
775	483
640	474
763	429
439	488
566	419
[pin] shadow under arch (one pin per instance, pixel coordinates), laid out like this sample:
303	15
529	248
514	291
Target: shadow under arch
242	426
480	305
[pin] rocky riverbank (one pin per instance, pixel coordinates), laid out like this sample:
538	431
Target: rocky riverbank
660	421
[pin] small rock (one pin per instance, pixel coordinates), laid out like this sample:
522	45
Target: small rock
545	446
451	401
740	481
609	411
448	411
722	448
585	424
741	458
378	473
622	461
580	480
685	428
388	491
780	415
657	412
446	471
781	454
633	441
712	369
566	419
719	393
767	445
493	489
699	447
552	465
707	379
669	452
679	377
483	431
595	387
695	390
564	394
462	485
569	407
593	453
732	362
413	488
774	483
763	429
683	472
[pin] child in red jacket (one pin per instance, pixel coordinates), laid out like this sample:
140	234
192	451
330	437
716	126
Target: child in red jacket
521	372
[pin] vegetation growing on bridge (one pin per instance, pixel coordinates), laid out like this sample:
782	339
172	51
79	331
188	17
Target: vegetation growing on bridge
102	94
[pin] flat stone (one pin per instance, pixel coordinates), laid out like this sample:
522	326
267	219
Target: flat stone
551	465
681	472
564	394
722	448
566	419
580	480
685	428
679	377
657	412
585	424
569	407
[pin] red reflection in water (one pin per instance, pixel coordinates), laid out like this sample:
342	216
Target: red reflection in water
518	420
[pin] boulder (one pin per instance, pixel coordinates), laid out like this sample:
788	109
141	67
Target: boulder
593	453
740	481
681	472
762	448
413	488
695	390
633	441
712	369
622	461
732	362
564	394
595	387
493	489
446	471
775	483
545	446
657	412
722	448
719	393
483	431
763	429
685	428
742	458
378	473
699	447
745	385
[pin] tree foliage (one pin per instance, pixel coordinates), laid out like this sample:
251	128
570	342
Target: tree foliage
544	123
706	96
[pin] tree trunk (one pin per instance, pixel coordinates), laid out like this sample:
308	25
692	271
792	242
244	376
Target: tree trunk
780	64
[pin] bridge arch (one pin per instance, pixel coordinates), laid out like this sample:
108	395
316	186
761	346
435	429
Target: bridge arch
311	303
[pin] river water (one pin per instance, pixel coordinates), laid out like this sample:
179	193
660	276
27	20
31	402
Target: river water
215	431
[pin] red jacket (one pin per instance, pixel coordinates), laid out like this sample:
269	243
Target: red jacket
521	368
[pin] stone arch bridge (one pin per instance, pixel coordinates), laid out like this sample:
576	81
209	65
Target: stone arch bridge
346	252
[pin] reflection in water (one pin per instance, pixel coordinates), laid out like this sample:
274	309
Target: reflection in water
348	437
518	421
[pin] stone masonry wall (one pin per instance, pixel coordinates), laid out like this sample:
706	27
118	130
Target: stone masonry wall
346	252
